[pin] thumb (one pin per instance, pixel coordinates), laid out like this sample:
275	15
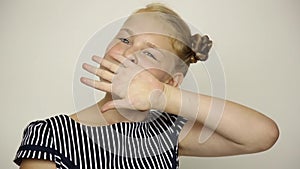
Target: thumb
107	106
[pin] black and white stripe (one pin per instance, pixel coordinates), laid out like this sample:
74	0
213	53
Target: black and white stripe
149	144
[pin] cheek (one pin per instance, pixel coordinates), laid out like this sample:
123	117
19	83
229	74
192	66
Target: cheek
160	74
114	47
162	71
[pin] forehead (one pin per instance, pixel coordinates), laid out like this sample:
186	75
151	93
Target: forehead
152	40
150	23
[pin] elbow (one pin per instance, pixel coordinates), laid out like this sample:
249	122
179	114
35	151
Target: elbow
269	137
263	139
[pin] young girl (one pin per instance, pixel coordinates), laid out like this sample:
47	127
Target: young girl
145	120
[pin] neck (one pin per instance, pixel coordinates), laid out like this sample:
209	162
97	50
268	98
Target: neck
120	115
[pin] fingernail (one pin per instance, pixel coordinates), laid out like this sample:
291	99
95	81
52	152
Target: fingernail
103	111
82	79
95	57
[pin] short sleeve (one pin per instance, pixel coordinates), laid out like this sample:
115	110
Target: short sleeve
176	122
37	143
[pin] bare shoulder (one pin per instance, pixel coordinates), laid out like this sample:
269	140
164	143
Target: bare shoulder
37	164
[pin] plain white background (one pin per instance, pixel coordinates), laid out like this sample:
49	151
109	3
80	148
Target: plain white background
258	42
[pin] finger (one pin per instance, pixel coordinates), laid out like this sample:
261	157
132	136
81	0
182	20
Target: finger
110	66
89	68
107	106
123	60
103	74
100	85
97	59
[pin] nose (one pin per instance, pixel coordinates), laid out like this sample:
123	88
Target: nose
131	54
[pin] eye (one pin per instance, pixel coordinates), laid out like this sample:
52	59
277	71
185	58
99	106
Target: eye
149	54
124	40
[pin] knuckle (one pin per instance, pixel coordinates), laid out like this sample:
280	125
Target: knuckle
110	66
98	86
100	73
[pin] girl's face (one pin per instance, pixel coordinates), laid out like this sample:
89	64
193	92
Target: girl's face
144	40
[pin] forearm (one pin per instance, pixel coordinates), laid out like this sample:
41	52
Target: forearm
233	121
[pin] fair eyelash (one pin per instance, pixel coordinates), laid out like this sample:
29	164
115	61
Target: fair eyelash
149	54
145	52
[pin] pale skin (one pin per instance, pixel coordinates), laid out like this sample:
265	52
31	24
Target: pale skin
143	78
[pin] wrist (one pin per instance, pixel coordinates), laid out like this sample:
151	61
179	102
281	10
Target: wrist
158	98
167	99
172	96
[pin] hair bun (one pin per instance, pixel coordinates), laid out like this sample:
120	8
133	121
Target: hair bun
201	46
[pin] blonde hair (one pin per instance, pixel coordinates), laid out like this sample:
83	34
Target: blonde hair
183	45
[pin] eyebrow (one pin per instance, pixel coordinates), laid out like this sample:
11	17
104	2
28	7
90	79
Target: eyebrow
130	32
149	44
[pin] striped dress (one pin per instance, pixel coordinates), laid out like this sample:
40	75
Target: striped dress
152	143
